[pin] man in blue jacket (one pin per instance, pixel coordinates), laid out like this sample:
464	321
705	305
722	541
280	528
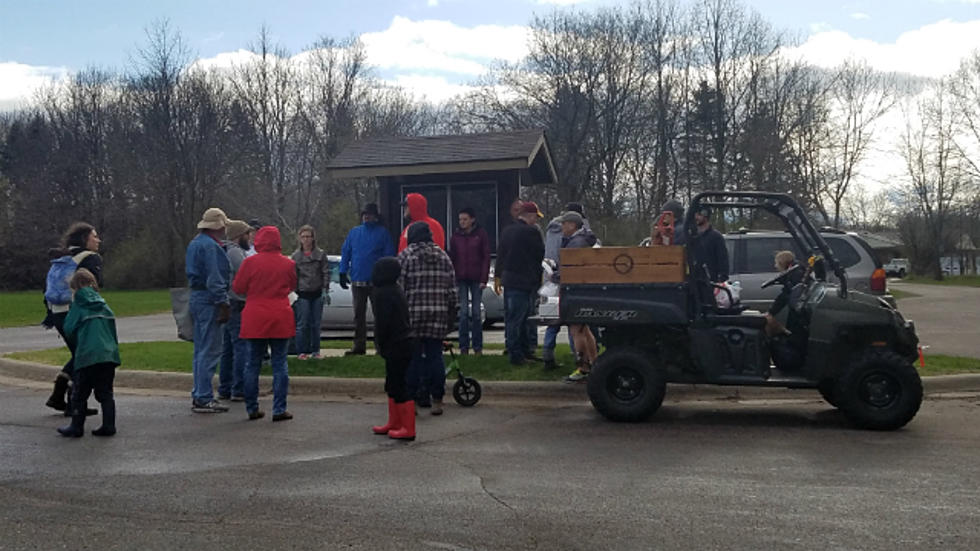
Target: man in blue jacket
208	272
364	245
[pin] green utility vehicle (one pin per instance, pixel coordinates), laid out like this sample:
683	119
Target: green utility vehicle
856	348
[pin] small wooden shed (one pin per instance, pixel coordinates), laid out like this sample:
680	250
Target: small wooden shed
482	171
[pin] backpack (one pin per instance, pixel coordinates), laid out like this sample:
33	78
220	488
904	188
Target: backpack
56	289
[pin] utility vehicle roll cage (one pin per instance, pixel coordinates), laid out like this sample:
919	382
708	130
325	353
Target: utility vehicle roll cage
783	207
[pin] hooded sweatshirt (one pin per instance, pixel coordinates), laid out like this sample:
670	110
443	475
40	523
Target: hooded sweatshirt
91	327
392	331
267	278
429	283
418	211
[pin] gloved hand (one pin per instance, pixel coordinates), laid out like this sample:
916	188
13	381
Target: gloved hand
344	281
224	312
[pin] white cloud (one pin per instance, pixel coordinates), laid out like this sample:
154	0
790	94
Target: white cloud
444	46
434	89
562	2
19	82
860	15
432	3
224	60
930	51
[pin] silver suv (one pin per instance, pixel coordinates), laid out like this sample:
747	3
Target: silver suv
751	253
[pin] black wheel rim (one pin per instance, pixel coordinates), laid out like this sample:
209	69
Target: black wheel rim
625	384
879	389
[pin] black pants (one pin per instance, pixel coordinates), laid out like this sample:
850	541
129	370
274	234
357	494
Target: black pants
59	325
395	371
96	377
360	295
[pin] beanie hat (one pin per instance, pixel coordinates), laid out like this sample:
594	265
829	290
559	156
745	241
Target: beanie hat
418	232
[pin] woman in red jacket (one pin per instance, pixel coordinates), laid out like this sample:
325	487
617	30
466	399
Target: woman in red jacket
266	279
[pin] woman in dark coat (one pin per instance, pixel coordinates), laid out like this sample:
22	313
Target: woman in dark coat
267	278
81	244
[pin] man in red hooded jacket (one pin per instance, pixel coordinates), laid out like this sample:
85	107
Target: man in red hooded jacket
418	211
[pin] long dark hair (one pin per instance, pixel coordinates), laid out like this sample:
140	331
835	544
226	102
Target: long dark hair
77	235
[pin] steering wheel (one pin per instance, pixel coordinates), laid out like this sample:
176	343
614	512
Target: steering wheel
781	277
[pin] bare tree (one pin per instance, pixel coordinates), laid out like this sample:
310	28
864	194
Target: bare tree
965	91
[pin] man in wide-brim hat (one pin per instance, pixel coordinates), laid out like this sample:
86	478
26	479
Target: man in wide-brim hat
208	275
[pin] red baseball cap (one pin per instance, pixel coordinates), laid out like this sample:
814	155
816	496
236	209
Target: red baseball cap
531	207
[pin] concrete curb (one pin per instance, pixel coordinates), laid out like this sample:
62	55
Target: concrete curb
532	392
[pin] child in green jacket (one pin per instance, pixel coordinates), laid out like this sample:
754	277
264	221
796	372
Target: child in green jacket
91	327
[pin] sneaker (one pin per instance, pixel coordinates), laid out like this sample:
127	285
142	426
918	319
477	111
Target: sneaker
257	414
237	398
224	397
477	352
436	407
532	357
302	356
355	353
315	356
577	376
284	416
213	406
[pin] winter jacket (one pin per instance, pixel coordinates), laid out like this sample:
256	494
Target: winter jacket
364	245
91	328
709	249
470	253
267	278
553	237
429	283
312	272
236	255
519	256
418	211
207	268
392	330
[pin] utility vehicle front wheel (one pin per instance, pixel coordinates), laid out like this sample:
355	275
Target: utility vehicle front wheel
880	390
625	386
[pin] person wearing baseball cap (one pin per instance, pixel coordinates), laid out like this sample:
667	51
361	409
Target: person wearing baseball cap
519	255
234	349
208	274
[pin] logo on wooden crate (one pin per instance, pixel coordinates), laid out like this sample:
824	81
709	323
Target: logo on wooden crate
623	264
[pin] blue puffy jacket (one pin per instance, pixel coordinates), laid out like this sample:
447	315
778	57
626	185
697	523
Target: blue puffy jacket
364	245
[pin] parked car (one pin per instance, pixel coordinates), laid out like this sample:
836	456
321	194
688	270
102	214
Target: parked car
338	309
897	267
751	254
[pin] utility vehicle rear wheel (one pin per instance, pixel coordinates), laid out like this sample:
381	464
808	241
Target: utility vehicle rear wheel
880	390
625	386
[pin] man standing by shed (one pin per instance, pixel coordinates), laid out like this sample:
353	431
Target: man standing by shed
519	256
418	211
364	245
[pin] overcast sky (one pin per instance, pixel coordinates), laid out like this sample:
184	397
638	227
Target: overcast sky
436	46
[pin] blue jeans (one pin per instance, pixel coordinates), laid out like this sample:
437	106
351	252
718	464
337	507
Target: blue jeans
470	298
234	356
551	341
280	374
517	308
207	345
309	314
427	372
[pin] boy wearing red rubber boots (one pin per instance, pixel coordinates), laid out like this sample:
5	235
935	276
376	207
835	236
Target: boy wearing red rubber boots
393	338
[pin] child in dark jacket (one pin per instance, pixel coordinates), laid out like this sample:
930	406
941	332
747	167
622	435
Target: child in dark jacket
90	329
393	338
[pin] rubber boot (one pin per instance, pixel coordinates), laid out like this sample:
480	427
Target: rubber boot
57	399
76	429
392	419
406	416
108	427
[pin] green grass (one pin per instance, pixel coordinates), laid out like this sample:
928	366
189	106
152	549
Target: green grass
900	294
27	307
961	281
948	365
176	356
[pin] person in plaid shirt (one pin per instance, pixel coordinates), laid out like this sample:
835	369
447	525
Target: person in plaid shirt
429	282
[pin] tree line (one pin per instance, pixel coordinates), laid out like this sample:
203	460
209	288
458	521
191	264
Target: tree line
640	103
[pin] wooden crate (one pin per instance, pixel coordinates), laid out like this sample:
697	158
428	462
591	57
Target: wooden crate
623	265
